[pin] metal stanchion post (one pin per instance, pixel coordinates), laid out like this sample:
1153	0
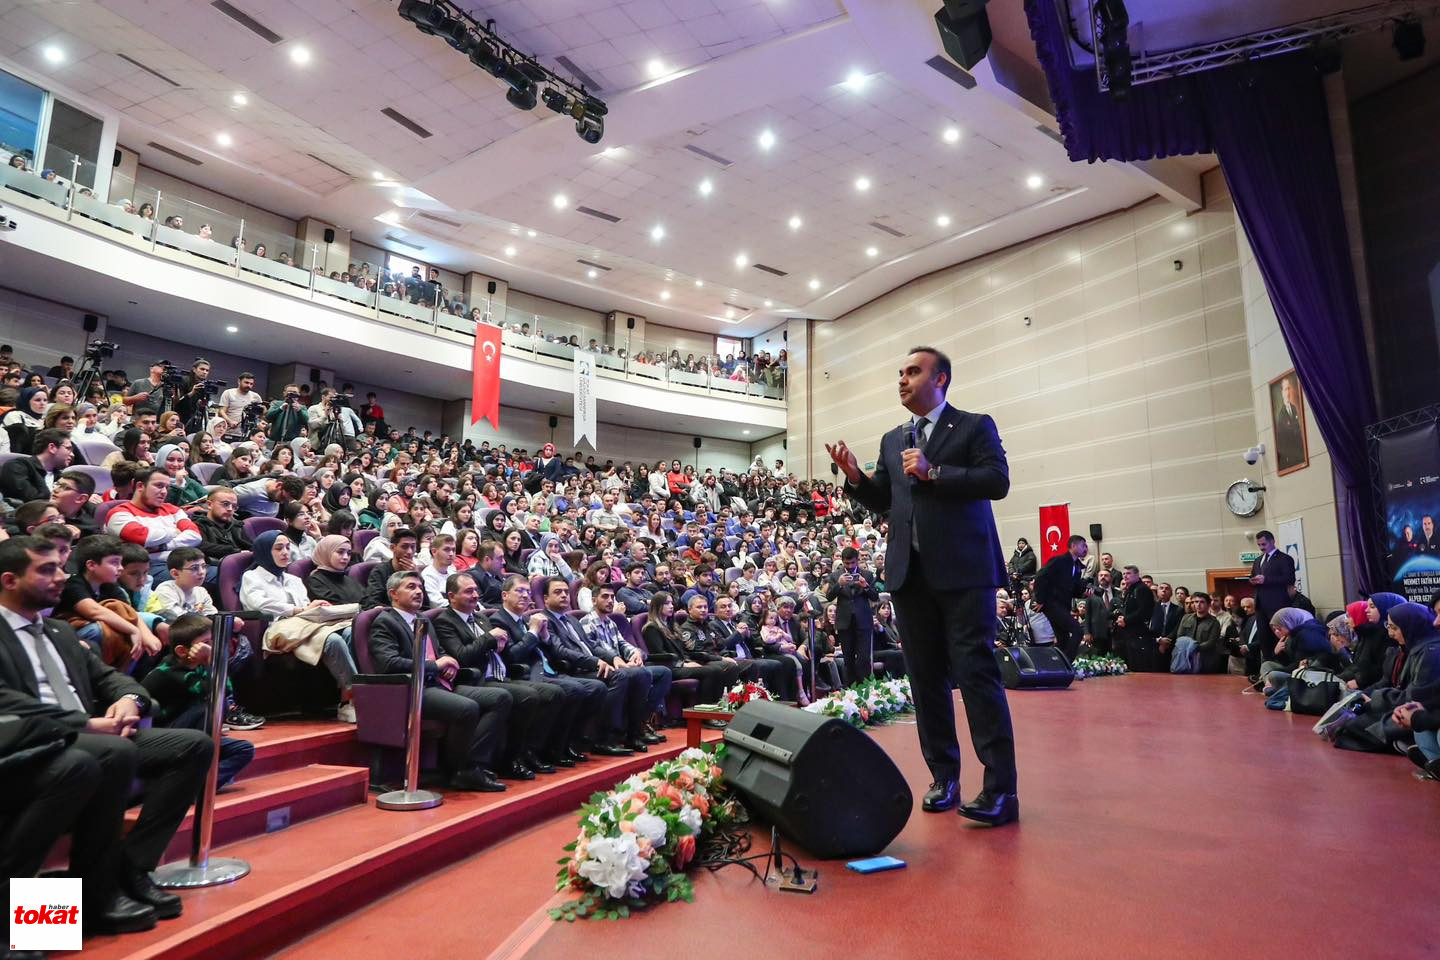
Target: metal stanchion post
412	797
202	871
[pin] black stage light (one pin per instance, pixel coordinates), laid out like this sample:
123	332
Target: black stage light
1326	54
1409	39
484	55
556	100
590	129
457	34
596	108
1112	44
521	94
417	11
964	31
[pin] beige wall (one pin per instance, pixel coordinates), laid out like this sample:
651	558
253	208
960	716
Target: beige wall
1308	493
1128	394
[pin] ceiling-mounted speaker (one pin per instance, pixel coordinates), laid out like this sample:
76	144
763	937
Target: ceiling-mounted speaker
329	234
491	287
964	30
1096	533
697	443
91	323
629	323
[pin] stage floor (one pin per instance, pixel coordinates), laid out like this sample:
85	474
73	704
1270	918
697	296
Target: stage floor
1160	816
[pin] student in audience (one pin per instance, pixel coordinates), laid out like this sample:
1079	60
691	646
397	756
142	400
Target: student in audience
1414	675
1367	649
34	477
329	581
185	491
221	535
301	528
99	608
1199	646
26	419
404	545
149	521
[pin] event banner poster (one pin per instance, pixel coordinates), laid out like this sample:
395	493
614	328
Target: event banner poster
1410	478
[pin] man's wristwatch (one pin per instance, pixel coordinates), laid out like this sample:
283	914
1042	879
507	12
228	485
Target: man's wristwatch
141	703
934	473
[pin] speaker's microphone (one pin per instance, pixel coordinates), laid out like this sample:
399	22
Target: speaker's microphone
911	442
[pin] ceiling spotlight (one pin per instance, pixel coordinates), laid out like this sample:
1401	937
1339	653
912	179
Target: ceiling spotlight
484	55
299	55
729	313
656	68
942	221
814	283
239	99
378	175
699	283
796	222
510	251
224	139
745	433
560	201
1409	39
530	233
657	233
872	251
232	329
951	135
521	93
53	54
767	139
769	303
1034	181
862	184
590	128
556	100
592	274
856	81
664	294
742	260
706	187
428	16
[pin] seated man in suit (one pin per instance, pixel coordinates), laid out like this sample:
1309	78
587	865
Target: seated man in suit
622	729
602	634
1060	581
701	645
468	637
403	544
733	639
525	657
46	671
33	477
471	719
488	575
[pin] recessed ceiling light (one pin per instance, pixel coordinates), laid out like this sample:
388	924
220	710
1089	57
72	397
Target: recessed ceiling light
729	313
560	201
814	283
767	139
299	55
744	433
769	303
796	222
592	274
872	251
856	81
232	329
239	99
530	233
1034	181
510	251
53	54
657	232
942	221
377	175
224	139
656	68
742	259
951	135
862	184
706	187
699	283
664	294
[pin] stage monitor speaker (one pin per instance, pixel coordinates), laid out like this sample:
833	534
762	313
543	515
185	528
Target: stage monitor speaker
329	234
491	287
91	323
964	31
1034	668
826	785
1096	533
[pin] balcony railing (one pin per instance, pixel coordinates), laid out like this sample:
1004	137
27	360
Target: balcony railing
179	229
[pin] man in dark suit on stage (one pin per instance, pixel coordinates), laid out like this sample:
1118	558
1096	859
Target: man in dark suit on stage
853	591
1134	643
1165	619
46	672
1100	613
470	719
1059	582
1272	574
936	474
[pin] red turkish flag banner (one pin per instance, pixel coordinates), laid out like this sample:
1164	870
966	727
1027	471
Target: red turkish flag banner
485	367
1054	530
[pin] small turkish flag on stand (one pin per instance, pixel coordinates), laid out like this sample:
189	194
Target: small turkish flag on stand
1054	530
485	364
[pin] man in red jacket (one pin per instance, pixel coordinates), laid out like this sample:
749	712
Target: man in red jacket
148	520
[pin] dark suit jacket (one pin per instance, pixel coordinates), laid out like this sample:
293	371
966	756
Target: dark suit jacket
1061	580
454	638
393	650
958	543
375	593
852	603
23	479
1170	623
1097	615
1278	569
522	654
1136	607
97	685
565	651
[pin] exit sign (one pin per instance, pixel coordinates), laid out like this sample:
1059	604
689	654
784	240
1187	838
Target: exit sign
1249	556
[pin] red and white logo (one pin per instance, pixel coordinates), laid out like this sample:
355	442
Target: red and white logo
45	913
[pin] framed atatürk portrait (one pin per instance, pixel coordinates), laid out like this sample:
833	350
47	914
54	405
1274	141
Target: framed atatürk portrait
1287	417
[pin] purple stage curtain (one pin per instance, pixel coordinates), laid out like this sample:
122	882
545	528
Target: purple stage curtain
1269	124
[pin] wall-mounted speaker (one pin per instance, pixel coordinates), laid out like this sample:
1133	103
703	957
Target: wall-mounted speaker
491	287
329	234
834	468
1096	533
629	323
91	323
697	443
554	422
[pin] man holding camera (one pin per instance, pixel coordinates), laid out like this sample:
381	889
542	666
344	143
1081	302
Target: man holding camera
195	395
334	411
148	391
233	402
287	416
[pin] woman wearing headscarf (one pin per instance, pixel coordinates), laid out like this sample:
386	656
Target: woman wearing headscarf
329	581
22	423
1298	636
267	586
379	546
549	559
494	527
185	490
337	498
301	529
1415	677
1368	645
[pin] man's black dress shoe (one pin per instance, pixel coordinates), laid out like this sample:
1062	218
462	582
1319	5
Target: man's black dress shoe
123	915
575	755
637	746
533	761
993	809
478	780
141	888
610	750
940	797
652	736
556	760
516	770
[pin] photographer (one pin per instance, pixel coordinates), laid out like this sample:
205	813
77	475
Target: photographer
147	391
286	416
195	396
334	421
233	402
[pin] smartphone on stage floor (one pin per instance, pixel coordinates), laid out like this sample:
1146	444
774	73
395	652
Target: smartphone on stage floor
875	864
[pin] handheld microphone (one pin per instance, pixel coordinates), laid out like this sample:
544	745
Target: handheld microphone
911	442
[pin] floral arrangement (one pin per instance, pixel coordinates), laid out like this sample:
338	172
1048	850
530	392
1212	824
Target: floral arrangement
742	693
1106	665
636	840
867	702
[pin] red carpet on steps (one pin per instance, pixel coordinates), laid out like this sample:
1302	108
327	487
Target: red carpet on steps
1161	817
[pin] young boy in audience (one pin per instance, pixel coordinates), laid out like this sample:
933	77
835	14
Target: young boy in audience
136	580
94	599
180	686
184	593
122	480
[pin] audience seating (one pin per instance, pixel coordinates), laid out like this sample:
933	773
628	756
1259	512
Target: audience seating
254	526
204	472
361	539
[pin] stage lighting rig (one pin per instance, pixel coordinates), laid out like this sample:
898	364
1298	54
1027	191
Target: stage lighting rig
1112	46
528	80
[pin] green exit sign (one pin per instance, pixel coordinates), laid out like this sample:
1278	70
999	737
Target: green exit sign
1249	556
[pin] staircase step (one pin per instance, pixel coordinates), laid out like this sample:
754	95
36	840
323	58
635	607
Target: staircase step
286	745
